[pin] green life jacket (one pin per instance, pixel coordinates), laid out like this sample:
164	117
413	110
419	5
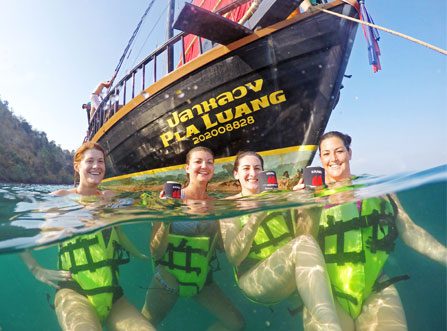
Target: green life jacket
188	258
356	239
276	230
93	261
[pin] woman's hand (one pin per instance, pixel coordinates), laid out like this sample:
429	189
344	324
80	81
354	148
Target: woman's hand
300	186
238	239
50	277
129	245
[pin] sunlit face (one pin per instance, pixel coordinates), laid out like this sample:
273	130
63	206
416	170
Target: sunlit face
247	173
200	167
335	159
92	167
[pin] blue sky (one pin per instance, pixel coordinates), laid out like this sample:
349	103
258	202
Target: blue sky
53	53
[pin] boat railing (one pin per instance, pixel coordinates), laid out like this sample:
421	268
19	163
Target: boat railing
138	79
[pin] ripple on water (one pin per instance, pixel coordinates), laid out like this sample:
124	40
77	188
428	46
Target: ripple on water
30	217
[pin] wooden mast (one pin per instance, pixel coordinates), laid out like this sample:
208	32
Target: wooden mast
170	34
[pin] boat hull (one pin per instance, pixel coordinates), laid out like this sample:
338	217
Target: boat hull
273	95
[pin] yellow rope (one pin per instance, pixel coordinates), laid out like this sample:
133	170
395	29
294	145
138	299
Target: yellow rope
417	41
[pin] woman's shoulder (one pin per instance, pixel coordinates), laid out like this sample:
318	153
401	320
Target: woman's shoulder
63	192
188	195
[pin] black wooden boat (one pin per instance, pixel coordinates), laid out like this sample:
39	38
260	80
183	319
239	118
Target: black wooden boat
270	90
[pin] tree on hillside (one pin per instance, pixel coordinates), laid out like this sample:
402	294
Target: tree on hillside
26	154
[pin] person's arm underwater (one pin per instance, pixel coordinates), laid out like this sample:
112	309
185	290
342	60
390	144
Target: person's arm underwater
159	239
417	238
50	277
129	245
238	241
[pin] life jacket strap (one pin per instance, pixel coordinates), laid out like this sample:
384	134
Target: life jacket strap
379	286
188	251
85	244
82	244
376	220
114	289
99	290
189	284
272	240
120	254
345	296
339	229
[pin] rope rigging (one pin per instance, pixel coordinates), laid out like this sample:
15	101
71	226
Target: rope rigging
131	41
417	41
149	34
363	22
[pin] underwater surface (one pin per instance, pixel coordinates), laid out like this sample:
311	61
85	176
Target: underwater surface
30	218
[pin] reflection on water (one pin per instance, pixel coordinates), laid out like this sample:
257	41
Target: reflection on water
29	217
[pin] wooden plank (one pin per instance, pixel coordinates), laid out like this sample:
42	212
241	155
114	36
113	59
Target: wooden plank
208	25
272	11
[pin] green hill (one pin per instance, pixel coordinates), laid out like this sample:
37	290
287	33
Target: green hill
26	155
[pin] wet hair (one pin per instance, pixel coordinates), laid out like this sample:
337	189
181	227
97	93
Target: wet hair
189	155
242	154
79	154
346	139
198	149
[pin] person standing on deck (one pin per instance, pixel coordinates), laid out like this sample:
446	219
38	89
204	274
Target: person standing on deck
96	97
88	107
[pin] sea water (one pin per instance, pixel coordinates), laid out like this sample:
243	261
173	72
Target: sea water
30	218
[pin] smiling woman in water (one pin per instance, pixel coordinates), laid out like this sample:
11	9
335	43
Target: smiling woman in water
88	292
182	254
357	236
272	257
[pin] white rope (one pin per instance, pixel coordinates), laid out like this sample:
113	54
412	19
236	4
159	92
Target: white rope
417	41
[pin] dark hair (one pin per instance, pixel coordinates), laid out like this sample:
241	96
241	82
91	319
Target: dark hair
191	152
343	137
198	149
241	154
